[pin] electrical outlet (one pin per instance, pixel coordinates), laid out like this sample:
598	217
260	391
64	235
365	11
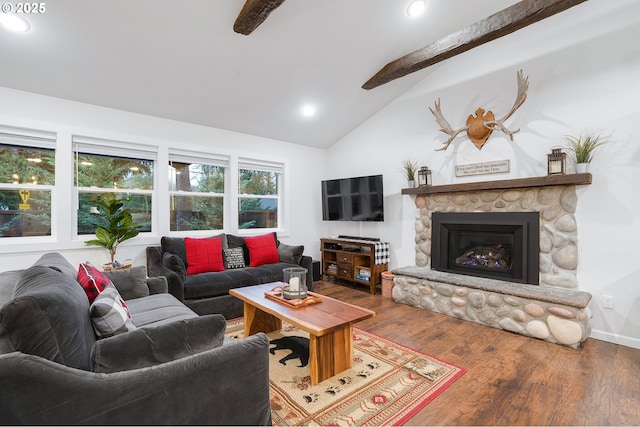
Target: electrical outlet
607	301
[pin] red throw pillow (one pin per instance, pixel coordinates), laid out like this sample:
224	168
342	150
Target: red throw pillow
204	255
262	250
92	280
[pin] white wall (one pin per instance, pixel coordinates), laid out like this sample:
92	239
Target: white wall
583	66
304	167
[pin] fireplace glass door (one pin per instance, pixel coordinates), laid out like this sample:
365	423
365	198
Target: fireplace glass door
502	245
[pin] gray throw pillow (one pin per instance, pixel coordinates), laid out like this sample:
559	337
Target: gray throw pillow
233	258
130	282
290	254
109	314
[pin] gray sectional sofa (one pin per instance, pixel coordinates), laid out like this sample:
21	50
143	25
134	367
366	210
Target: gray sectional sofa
208	292
173	367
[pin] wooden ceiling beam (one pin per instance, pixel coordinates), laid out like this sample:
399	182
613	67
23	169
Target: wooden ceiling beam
253	13
499	24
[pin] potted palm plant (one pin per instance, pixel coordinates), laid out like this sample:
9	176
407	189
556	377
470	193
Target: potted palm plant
409	168
114	225
582	148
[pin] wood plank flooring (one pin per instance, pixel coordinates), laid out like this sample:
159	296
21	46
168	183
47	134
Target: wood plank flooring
511	379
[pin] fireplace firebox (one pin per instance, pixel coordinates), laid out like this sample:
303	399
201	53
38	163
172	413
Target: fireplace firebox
495	245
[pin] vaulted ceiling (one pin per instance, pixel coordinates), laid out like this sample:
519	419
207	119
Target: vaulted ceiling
183	60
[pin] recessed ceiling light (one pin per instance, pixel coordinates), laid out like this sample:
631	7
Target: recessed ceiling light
308	110
14	22
416	8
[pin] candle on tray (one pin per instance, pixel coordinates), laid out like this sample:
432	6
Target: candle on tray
294	284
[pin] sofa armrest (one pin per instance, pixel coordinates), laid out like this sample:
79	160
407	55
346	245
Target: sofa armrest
157	285
228	385
155	267
307	262
160	344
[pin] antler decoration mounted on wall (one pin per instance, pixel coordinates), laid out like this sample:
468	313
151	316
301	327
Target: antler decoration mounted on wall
480	127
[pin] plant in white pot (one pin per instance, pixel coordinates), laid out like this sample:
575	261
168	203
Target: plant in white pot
409	168
113	225
582	149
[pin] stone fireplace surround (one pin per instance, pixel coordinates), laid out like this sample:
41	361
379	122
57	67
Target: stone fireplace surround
555	311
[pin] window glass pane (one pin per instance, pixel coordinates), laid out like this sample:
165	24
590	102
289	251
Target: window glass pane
25	213
258	182
258	213
24	165
196	178
138	204
196	213
95	170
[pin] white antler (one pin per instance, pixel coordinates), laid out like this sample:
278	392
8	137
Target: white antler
445	126
523	85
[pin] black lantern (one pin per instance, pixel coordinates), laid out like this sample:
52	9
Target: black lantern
556	162
424	176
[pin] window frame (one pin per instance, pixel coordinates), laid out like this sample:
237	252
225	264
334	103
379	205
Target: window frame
209	159
117	149
33	139
245	163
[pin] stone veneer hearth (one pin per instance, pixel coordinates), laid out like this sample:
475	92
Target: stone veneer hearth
555	311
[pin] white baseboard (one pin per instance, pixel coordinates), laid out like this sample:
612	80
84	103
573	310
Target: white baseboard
615	338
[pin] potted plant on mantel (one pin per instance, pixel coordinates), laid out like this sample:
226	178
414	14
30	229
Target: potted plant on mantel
113	225
409	168
582	149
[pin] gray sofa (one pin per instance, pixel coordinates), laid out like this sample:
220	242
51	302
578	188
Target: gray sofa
208	292
173	368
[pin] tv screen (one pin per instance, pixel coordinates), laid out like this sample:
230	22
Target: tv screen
353	199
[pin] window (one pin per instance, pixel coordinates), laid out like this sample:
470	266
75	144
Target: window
196	191
113	167
27	179
259	194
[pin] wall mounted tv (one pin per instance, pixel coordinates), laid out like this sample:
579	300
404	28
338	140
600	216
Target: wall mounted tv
353	199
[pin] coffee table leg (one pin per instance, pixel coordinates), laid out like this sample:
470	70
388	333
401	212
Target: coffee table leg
330	354
256	320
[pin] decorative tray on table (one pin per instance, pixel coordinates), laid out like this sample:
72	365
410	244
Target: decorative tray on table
276	295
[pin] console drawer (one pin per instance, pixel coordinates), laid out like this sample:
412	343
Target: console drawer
345	271
345	258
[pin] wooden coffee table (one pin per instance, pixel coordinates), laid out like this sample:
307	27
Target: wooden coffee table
329	324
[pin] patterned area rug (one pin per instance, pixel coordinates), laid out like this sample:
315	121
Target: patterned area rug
387	385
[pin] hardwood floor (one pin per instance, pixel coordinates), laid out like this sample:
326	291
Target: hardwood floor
511	379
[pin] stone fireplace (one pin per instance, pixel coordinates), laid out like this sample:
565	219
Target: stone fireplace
555	311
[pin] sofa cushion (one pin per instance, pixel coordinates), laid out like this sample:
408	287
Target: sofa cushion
158	309
207	285
262	250
160	344
290	254
49	317
233	258
204	255
130	282
174	245
109	314
92	280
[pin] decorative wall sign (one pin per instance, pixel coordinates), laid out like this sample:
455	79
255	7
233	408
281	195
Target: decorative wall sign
480	127
499	166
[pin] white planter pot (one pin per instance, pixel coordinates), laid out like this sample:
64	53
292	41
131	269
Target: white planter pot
582	167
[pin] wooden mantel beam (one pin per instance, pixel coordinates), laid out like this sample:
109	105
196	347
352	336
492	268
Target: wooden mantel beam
499	24
253	13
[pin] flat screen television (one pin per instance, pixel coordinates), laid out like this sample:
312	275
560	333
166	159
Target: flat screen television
353	199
